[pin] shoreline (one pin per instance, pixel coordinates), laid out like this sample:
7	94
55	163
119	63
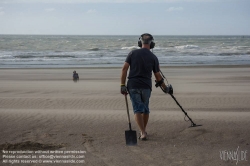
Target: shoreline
110	67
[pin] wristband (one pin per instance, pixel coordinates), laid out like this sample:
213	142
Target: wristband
122	84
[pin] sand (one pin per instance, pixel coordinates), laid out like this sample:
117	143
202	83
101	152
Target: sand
43	109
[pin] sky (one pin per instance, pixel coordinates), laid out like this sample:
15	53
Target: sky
125	17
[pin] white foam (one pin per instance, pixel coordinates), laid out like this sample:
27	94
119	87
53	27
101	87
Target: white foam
5	56
187	47
130	48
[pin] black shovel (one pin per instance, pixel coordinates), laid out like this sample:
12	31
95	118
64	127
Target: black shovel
130	135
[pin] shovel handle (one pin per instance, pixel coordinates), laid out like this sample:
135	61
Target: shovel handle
128	111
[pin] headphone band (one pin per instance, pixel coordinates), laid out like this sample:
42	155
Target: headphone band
147	34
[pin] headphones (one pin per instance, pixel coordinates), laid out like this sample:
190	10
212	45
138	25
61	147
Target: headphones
146	41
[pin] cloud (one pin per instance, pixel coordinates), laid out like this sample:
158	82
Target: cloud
172	9
49	9
91	11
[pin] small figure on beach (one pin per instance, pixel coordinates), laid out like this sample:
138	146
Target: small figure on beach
139	86
75	76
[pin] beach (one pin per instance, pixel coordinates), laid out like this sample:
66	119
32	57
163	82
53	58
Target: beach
43	109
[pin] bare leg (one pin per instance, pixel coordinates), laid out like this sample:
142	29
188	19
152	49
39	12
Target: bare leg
145	120
140	121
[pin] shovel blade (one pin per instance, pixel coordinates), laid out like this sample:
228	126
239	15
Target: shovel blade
131	137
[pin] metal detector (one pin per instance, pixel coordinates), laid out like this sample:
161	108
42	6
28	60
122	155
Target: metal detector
171	94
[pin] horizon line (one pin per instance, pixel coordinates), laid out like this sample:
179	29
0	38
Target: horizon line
114	35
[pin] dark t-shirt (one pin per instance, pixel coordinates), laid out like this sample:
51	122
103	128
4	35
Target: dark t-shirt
75	76
142	62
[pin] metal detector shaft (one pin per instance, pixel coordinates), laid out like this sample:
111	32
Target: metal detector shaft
193	124
158	83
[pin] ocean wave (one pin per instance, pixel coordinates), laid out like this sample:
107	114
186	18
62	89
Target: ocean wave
43	56
93	49
187	47
233	53
130	48
58	56
121	56
243	47
24	56
5	56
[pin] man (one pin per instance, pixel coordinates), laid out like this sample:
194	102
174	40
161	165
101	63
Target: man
141	63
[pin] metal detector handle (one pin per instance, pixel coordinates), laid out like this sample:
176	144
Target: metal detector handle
128	112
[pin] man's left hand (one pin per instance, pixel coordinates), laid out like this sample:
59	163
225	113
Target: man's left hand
124	90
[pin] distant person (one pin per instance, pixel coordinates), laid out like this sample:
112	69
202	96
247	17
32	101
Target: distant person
75	76
142	62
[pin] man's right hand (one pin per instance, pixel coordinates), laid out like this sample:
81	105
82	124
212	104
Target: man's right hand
124	90
169	89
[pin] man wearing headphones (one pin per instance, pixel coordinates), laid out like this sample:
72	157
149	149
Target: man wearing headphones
141	63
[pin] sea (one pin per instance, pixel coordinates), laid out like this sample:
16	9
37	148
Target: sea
74	51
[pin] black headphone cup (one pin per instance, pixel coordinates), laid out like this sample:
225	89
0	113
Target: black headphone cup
139	43
152	45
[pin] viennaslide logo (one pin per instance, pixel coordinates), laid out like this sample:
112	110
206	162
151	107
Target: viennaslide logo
236	155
